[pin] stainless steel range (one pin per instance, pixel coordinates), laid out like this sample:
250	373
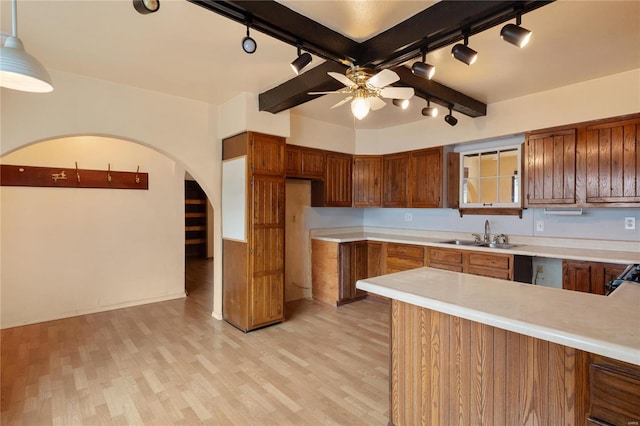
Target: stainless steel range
630	274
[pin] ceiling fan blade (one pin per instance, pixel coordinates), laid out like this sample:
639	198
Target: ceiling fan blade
342	102
326	93
375	103
383	78
341	78
397	92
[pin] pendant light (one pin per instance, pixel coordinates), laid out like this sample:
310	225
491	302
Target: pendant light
18	69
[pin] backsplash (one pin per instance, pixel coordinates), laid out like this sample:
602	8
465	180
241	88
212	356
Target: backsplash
599	224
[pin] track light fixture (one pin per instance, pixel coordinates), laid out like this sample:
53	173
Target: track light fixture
249	45
401	103
18	69
450	119
515	34
423	69
430	111
464	53
146	6
301	61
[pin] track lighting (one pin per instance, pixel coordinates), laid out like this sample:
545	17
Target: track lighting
248	44
423	69
301	61
430	111
18	69
464	53
402	103
450	119
360	105
515	34
146	6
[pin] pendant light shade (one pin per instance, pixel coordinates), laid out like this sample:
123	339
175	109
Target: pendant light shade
464	53
515	34
18	69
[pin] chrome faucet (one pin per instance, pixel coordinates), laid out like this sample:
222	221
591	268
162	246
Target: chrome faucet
487	231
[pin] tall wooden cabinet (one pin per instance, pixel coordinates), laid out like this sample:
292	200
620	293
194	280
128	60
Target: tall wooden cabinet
253	270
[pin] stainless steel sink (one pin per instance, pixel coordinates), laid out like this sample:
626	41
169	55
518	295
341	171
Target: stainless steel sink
497	245
461	242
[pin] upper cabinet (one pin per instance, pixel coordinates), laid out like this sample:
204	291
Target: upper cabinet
491	178
426	178
594	164
367	181
305	163
395	171
335	189
551	168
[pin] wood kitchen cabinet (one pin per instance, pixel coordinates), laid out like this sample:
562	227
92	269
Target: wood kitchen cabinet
613	162
426	178
367	181
402	257
335	189
253	270
305	163
494	265
550	171
589	277
395	178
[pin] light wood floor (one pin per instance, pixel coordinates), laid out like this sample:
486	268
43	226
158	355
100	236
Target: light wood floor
171	363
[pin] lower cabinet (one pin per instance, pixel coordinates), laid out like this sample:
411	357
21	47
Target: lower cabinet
589	277
402	257
494	265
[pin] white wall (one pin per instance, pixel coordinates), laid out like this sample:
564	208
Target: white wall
240	114
70	251
318	134
184	130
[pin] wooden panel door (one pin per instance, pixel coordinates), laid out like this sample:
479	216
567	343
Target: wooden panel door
613	162
395	176
267	154
313	163
337	183
293	162
374	259
425	179
359	266
267	250
576	275
550	168
367	181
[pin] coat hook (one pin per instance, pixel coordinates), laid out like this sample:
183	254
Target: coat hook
137	177
77	172
109	173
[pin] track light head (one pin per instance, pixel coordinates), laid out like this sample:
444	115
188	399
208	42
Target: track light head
402	103
464	53
423	69
515	34
450	119
301	61
145	7
430	111
249	45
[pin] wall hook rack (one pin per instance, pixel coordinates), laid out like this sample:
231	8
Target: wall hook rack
57	177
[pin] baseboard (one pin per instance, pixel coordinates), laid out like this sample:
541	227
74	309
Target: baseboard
96	309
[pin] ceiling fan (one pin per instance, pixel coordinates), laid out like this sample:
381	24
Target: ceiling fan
366	89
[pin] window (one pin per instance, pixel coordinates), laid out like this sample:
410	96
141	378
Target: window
490	178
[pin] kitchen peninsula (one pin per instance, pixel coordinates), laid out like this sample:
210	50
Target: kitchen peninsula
467	349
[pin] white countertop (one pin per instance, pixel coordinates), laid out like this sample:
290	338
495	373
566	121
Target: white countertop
604	325
569	253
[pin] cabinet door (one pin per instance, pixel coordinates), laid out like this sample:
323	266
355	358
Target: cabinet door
550	168
346	288
613	162
425	181
267	250
359	267
374	259
337	184
293	161
576	275
313	163
395	175
367	181
267	154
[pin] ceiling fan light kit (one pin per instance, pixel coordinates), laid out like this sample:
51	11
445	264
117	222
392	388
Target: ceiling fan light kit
249	45
360	106
464	53
515	34
18	69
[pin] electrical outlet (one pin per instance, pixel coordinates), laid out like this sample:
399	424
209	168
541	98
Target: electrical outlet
408	217
539	226
629	223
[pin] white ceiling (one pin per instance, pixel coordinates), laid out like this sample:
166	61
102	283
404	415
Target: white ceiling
187	51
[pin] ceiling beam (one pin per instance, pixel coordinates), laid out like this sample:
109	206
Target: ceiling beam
295	91
440	94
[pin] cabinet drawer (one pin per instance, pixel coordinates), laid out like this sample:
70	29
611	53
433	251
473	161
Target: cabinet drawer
489	272
454	268
614	392
405	251
401	264
437	255
489	260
